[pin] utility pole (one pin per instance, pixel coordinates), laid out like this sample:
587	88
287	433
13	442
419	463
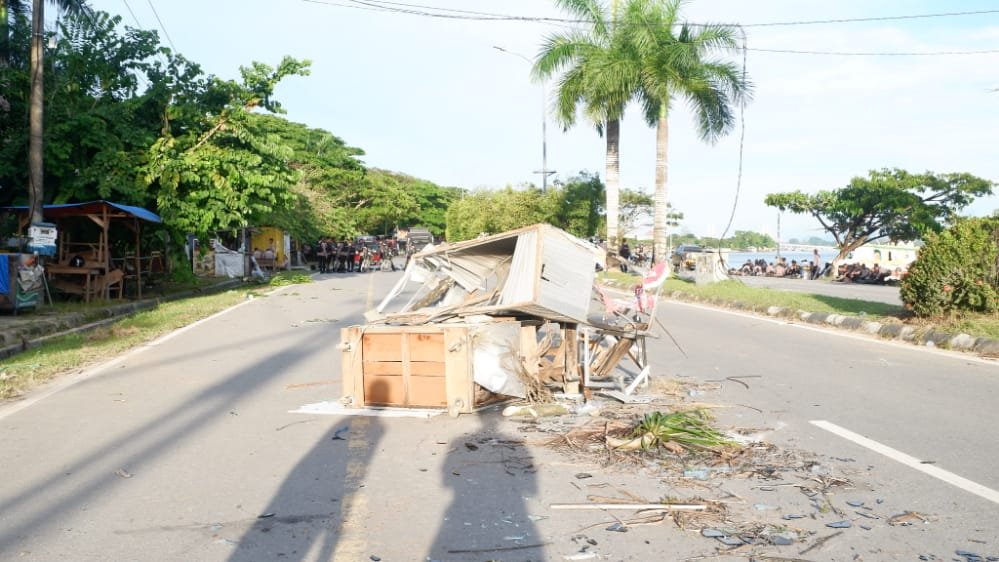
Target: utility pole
36	178
544	171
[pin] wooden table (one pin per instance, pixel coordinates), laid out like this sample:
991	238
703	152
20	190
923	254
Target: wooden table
89	273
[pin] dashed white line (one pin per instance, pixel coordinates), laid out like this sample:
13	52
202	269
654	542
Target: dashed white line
910	461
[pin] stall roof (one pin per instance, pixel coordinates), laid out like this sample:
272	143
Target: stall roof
76	209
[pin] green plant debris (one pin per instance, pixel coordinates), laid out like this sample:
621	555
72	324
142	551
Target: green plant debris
689	430
290	278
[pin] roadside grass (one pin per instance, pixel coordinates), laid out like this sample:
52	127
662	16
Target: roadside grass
978	325
80	350
732	292
735	291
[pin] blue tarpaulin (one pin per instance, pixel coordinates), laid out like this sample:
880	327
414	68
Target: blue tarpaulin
4	275
73	209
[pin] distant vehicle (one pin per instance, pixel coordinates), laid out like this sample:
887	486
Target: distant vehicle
370	242
683	256
418	238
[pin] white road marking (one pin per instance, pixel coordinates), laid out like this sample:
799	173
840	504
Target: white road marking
839	332
910	461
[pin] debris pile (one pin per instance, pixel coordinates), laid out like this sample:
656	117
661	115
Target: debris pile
517	314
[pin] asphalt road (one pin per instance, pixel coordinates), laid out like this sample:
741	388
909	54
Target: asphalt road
187	450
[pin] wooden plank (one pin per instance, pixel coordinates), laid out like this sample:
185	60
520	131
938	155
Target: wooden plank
384	391
382	347
459	385
426	347
619	350
382	368
570	346
416	368
405	369
427	392
351	365
427	369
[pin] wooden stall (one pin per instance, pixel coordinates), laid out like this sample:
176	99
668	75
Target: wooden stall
84	265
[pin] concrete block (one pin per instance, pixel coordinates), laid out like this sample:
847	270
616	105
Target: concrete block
871	327
962	341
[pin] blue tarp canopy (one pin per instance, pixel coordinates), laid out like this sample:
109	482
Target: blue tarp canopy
77	209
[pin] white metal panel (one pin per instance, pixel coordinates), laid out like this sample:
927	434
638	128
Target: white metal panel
567	273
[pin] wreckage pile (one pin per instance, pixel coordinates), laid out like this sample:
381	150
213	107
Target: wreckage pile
516	314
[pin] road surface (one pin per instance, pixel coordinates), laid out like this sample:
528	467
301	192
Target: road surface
188	450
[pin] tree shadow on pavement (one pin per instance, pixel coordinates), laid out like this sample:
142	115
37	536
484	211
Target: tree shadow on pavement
492	476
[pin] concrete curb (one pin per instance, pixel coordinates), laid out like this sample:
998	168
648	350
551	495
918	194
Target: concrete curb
929	337
43	328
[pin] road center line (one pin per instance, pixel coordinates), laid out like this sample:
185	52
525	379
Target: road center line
910	461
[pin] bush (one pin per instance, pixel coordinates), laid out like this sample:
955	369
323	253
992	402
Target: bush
956	271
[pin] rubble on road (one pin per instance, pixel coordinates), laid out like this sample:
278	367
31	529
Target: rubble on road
517	315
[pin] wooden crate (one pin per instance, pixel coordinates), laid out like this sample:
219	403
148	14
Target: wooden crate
408	366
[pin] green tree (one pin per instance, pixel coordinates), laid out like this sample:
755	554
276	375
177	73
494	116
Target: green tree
21	8
599	73
635	204
491	212
579	210
888	204
223	169
676	64
956	271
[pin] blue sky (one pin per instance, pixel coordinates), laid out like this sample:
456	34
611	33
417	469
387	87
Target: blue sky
431	97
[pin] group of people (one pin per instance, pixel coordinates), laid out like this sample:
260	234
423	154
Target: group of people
780	268
639	257
860	273
349	257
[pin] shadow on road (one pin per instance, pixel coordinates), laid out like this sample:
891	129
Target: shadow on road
492	477
319	512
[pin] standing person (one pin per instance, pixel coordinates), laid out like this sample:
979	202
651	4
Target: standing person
323	255
817	270
625	252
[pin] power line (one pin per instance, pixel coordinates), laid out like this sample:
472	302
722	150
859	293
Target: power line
163	27
872	19
877	53
133	13
454	13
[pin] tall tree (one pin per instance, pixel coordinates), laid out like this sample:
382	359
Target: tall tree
598	72
14	8
676	64
36	190
888	204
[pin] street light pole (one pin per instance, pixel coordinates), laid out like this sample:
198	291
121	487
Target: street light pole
545	172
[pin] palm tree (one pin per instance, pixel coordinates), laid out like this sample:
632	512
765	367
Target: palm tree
675	65
599	73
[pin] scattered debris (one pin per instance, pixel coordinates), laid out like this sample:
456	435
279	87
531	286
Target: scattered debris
123	473
631	506
839	525
907	518
337	435
266	515
499	548
819	542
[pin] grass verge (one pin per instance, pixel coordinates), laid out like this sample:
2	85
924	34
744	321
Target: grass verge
736	294
77	351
